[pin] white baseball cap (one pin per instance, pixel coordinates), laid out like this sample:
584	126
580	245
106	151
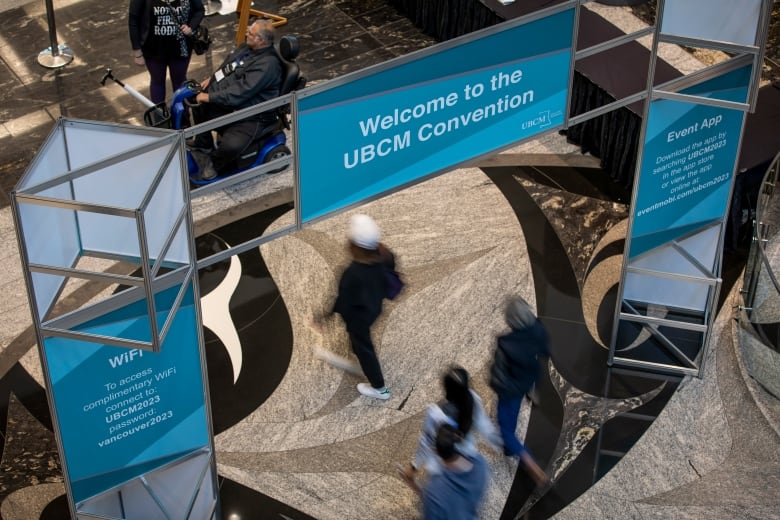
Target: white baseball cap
364	232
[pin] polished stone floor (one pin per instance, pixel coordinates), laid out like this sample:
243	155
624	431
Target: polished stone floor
293	437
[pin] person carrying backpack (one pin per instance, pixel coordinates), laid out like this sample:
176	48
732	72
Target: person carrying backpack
515	370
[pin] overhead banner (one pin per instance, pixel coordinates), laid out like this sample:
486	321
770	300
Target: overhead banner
378	132
688	163
124	412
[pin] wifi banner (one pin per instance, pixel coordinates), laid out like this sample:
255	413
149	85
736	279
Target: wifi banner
123	412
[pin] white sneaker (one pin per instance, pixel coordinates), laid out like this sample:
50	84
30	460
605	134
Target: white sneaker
377	393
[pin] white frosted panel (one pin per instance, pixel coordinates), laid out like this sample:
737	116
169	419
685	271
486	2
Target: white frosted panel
731	21
205	502
108	504
50	234
666	259
50	238
703	246
666	291
139	504
109	234
89	143
175	485
46	287
160	215
124	184
178	253
50	162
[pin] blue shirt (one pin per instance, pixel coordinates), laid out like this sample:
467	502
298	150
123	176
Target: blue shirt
452	495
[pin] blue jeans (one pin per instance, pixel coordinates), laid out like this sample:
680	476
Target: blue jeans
507	412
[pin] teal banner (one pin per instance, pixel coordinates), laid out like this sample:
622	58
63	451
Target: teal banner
378	132
123	412
688	163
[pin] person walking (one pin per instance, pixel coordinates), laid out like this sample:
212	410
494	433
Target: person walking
456	492
158	37
515	370
462	408
361	292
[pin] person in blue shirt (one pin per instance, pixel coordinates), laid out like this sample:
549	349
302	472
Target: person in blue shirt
456	492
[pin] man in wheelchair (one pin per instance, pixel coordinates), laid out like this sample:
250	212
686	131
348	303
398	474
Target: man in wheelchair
251	74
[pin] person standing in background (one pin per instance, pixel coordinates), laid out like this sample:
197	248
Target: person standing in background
516	368
158	36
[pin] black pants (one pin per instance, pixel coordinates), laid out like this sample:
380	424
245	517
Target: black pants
363	348
235	138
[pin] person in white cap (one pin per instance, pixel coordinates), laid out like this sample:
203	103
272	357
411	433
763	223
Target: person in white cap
359	300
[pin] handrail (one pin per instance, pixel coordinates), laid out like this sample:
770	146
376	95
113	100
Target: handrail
758	338
761	277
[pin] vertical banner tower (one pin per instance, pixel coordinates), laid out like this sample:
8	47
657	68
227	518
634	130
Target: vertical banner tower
125	373
691	137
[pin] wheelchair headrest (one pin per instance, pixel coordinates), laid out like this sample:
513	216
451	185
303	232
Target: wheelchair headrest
289	47
291	73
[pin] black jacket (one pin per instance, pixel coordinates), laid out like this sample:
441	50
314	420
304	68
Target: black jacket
253	76
516	363
361	291
140	13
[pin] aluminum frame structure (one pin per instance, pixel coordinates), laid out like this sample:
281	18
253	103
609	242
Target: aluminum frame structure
660	321
94	193
100	192
707	273
293	160
62	191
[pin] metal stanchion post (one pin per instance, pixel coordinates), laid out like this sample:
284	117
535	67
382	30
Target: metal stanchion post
55	56
212	7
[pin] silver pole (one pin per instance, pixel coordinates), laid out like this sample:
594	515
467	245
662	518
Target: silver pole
55	56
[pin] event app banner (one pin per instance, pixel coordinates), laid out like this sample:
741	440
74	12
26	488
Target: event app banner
688	163
373	134
123	412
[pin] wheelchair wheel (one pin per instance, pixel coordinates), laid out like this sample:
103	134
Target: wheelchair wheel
277	152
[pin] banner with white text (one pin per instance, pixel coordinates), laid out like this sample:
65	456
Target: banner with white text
368	136
688	163
124	412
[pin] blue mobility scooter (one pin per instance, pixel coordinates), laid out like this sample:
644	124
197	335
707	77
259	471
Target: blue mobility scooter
266	147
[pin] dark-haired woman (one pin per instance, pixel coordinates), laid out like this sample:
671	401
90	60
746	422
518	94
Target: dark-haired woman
158	36
461	408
